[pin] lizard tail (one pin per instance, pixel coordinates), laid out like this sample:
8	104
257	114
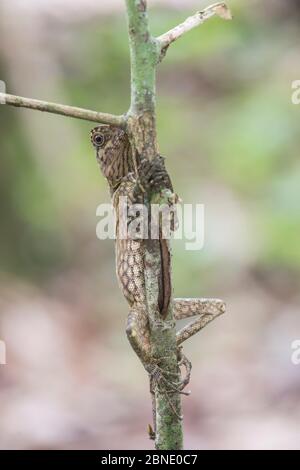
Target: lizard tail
165	287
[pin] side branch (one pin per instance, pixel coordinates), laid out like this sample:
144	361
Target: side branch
64	110
217	9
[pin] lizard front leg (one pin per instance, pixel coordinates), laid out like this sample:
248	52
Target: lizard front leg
206	310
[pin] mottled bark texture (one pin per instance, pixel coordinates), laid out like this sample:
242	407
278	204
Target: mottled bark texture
144	52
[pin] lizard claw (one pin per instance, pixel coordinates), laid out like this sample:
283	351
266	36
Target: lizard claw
159	376
184	361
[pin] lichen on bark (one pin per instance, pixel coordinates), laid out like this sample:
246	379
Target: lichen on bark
141	125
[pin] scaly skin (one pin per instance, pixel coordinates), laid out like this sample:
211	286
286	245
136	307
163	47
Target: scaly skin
135	178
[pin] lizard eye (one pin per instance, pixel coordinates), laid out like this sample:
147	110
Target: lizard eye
98	140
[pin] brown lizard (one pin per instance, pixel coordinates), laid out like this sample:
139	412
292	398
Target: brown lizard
136	178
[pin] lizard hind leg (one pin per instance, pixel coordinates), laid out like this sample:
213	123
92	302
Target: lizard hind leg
137	331
205	309
138	334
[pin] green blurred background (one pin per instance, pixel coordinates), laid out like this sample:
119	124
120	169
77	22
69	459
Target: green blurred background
231	136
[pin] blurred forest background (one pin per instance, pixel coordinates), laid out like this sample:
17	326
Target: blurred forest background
231	136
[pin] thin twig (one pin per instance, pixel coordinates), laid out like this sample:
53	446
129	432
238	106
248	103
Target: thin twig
55	108
218	9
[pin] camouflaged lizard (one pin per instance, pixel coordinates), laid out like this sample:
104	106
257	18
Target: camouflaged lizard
136	178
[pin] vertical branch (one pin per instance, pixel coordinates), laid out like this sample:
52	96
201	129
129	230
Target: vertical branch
144	53
143	49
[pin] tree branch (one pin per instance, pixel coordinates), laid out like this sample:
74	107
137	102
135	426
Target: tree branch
144	53
217	9
55	108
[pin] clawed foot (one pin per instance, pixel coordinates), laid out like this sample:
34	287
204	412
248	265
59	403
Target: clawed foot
153	175
184	361
165	380
162	378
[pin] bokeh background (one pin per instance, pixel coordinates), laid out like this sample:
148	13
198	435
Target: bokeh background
231	136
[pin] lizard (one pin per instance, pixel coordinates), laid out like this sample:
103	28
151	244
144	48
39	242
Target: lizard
136	178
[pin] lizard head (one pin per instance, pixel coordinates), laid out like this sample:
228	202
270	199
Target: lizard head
113	152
